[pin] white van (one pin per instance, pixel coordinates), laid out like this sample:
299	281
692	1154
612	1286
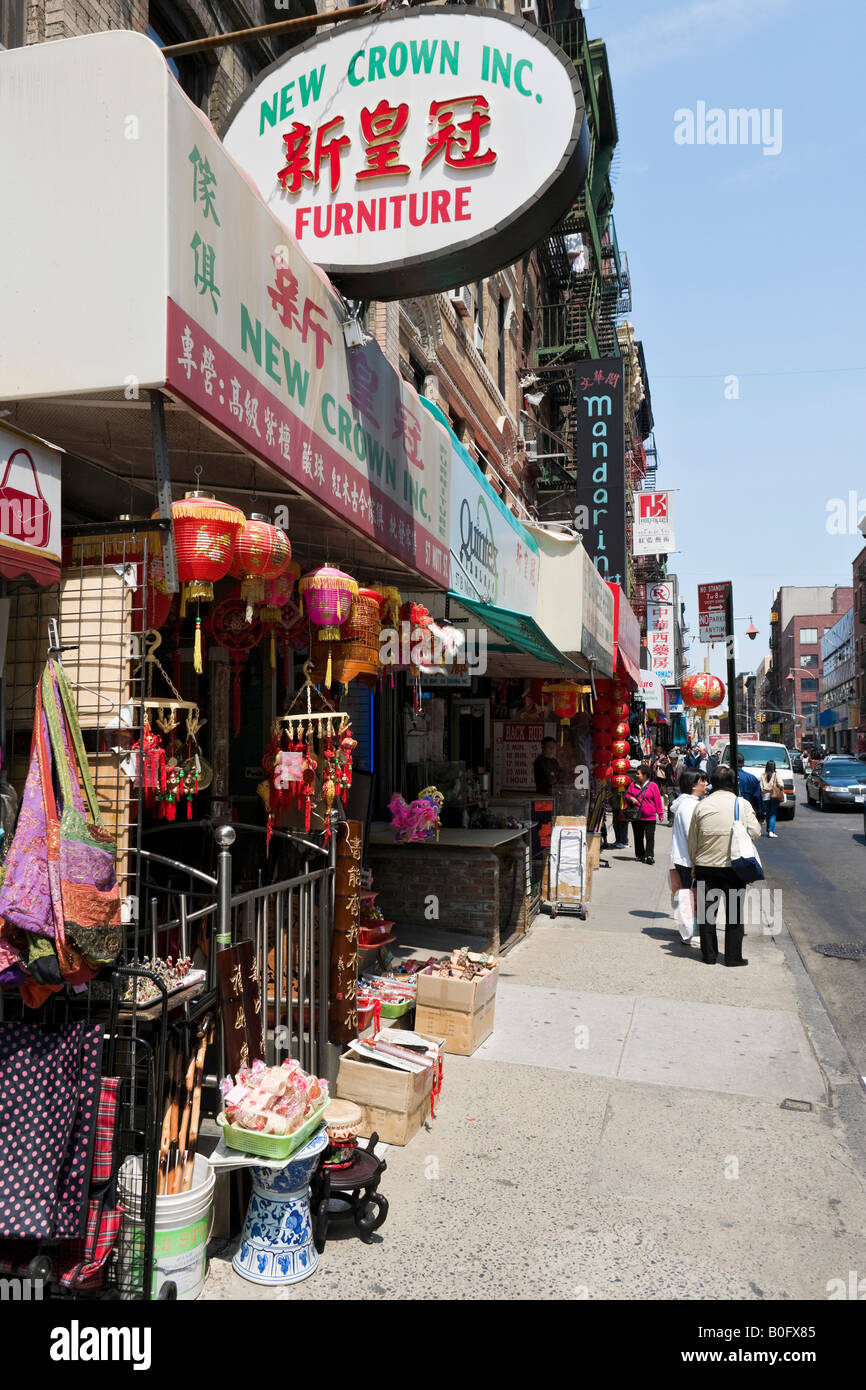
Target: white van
755	757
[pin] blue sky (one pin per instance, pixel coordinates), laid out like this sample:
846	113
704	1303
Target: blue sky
751	265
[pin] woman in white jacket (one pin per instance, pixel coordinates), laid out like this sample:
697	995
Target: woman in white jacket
693	785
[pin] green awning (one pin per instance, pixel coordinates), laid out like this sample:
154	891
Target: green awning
516	631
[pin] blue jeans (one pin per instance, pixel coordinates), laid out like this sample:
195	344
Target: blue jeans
770	808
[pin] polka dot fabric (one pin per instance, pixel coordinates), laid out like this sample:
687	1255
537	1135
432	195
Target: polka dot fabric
49	1090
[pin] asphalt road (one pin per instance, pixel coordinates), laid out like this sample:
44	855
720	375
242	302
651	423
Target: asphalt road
819	864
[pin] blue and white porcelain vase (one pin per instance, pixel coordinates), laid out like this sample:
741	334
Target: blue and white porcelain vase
277	1241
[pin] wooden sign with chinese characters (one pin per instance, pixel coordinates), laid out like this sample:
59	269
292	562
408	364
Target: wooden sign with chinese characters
343	1002
240	1006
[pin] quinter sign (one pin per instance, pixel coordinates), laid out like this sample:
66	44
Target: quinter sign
415	151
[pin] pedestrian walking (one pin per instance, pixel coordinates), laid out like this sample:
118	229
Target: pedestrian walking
772	793
612	804
750	788
709	845
644	795
662	774
693	786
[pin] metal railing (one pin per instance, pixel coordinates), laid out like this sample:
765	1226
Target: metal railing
289	923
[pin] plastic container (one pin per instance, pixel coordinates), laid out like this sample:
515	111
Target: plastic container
271	1145
183	1226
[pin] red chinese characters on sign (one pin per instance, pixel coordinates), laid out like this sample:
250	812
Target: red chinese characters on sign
364	384
311	318
381	129
599	378
408	427
458	142
329	147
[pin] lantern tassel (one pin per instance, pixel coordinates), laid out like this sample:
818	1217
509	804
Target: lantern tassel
328	671
273	651
198	664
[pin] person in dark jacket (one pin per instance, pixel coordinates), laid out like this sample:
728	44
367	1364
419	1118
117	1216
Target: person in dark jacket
750	788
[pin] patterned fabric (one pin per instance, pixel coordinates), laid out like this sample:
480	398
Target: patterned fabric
49	1086
105	1147
81	1263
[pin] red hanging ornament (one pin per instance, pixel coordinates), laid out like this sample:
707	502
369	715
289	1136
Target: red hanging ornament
228	626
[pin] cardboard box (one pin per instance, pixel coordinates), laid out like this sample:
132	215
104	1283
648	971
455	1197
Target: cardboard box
460	996
395	1103
462	1032
392	1126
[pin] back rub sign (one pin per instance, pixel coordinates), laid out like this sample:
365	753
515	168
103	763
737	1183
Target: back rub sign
416	151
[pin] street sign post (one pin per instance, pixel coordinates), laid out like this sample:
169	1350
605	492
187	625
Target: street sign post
711	611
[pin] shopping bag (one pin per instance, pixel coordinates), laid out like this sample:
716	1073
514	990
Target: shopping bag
17	505
744	857
685	910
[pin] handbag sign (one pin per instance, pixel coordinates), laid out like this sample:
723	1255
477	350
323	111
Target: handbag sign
29	497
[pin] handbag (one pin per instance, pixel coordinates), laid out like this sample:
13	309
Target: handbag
744	857
18	503
631	811
86	851
777	791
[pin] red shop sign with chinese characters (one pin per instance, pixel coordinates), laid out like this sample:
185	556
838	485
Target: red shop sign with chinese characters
411	152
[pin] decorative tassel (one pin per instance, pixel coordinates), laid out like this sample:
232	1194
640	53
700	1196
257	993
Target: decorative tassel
198	664
273	651
328	671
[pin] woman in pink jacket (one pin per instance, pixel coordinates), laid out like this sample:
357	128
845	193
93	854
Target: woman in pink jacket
645	795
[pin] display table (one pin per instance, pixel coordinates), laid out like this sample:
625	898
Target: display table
467	881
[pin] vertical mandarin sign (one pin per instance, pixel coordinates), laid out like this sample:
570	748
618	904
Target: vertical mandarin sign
203	184
418	149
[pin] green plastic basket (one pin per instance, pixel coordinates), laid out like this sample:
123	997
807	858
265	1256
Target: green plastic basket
274	1146
397	1010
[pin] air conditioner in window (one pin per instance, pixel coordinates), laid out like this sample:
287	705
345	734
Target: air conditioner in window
479	337
461	300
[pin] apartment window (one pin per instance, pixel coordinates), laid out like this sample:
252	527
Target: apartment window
11	23
808	635
808	685
809	660
502	305
479	315
166	27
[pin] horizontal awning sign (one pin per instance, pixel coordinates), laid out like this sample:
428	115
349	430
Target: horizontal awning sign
517	632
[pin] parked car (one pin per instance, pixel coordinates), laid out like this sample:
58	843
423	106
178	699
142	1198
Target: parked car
756	755
796	759
837	782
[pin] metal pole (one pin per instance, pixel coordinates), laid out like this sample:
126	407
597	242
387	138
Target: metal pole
225	838
263	31
732	678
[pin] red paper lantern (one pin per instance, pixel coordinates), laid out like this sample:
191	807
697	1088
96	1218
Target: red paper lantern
621	766
262	552
601	722
565	698
702	692
621	730
602	772
620	748
205	533
621	780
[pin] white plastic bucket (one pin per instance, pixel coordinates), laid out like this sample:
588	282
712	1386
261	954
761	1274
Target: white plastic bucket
183	1226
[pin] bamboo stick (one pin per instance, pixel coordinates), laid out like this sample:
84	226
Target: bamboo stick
175	1176
264	31
162	1176
205	1035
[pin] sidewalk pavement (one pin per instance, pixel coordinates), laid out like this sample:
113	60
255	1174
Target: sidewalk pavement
623	1132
